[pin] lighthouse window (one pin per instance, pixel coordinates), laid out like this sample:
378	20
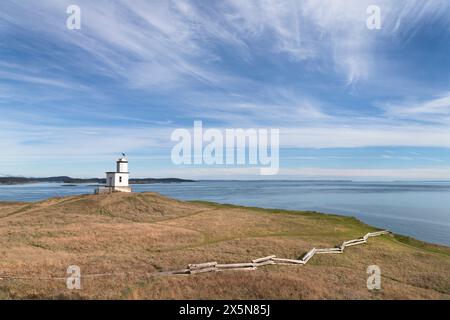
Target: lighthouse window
120	179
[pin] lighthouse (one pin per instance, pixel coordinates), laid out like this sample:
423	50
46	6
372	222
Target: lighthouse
117	181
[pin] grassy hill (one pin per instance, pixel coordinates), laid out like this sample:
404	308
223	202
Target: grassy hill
133	235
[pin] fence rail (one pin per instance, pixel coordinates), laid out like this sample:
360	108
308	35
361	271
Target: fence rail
272	259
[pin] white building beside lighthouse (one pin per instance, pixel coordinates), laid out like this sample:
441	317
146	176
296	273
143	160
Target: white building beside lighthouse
117	181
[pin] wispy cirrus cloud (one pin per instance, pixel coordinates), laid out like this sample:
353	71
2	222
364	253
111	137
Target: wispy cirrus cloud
176	39
435	110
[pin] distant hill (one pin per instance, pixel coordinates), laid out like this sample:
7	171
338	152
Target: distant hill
23	180
66	179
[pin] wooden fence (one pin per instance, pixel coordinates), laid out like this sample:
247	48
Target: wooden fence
272	259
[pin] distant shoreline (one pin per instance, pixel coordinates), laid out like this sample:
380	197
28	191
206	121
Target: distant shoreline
14	180
69	180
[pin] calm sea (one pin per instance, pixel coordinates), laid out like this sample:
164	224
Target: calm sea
418	209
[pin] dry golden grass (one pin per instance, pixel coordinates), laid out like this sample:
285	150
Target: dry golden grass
138	234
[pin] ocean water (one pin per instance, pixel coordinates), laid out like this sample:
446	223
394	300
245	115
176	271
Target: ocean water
418	209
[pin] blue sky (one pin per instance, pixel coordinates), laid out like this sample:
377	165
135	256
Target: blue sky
350	103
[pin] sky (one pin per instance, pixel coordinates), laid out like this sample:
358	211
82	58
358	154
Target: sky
350	102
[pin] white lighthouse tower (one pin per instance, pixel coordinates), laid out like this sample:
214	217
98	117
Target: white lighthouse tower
117	181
